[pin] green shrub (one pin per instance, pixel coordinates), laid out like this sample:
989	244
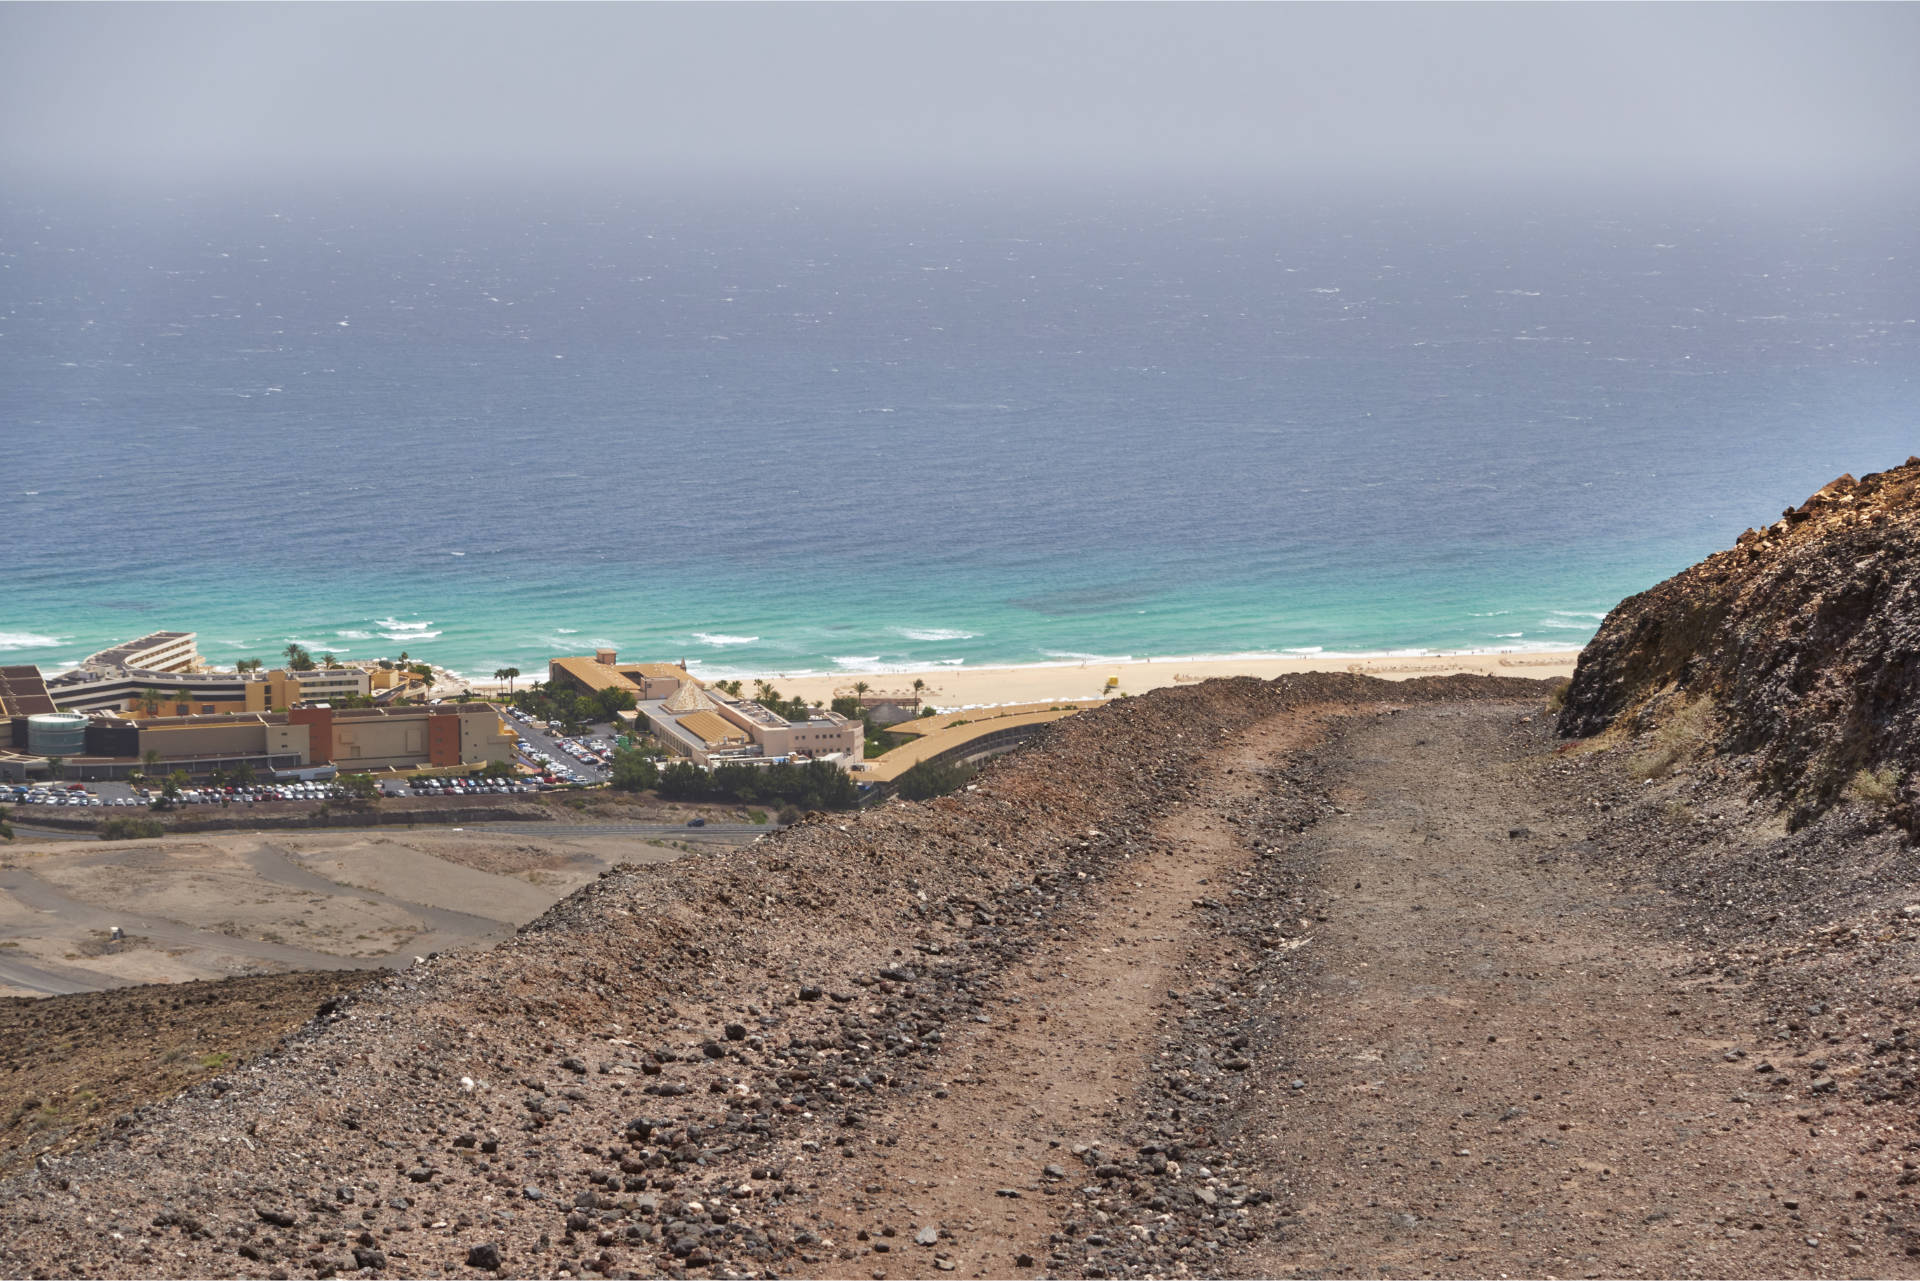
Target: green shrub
927	780
131	829
816	785
634	771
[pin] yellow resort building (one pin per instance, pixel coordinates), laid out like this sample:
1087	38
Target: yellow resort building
705	724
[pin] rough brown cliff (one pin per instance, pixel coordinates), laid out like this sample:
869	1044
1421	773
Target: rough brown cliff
1796	652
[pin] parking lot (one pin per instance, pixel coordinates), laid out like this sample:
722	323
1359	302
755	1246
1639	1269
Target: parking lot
71	795
569	760
118	795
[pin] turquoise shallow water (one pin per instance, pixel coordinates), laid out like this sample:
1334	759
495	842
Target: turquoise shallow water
800	434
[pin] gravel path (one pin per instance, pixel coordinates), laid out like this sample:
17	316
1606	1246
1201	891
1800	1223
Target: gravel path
1502	1074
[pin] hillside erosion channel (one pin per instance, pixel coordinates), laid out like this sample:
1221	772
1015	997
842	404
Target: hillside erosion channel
1325	975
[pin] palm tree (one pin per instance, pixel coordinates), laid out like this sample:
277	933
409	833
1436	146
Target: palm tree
499	673
326	660
511	673
247	665
919	691
150	760
763	691
150	699
56	766
860	689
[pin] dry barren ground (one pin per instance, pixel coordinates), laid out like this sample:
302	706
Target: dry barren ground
218	905
1340	994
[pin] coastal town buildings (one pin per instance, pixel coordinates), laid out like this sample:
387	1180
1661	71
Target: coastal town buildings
126	678
350	739
152	704
707	725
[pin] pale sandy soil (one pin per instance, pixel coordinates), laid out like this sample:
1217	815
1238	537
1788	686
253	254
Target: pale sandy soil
220	905
210	886
952	688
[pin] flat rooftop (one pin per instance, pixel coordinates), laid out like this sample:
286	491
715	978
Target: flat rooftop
760	715
211	718
415	709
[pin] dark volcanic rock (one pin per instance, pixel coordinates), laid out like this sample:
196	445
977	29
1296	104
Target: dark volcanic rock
1801	646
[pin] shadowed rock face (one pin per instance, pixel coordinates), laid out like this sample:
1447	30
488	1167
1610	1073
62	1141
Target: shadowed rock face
1805	635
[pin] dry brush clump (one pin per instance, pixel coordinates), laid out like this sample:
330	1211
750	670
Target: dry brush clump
1875	786
1684	730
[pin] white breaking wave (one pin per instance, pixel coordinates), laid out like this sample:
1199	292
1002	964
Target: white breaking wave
567	631
933	633
721	638
874	667
410	636
1566	625
395	625
26	640
351	634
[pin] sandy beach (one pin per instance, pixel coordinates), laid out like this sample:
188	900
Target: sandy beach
951	688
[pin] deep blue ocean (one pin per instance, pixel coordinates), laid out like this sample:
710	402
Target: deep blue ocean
847	430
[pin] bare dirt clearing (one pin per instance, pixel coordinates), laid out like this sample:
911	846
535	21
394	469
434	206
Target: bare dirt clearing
219	905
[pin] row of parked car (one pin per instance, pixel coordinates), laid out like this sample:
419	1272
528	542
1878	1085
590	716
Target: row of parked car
268	792
70	794
469	787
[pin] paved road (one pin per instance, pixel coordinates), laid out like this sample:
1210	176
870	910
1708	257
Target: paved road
732	832
55	980
21	832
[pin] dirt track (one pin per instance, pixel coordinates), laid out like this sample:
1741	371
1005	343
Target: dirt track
1497	1071
1349	997
1504	1074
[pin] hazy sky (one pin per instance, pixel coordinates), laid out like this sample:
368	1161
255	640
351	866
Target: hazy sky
1816	91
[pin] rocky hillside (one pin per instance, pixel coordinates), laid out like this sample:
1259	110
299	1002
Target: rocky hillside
672	1067
1796	653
